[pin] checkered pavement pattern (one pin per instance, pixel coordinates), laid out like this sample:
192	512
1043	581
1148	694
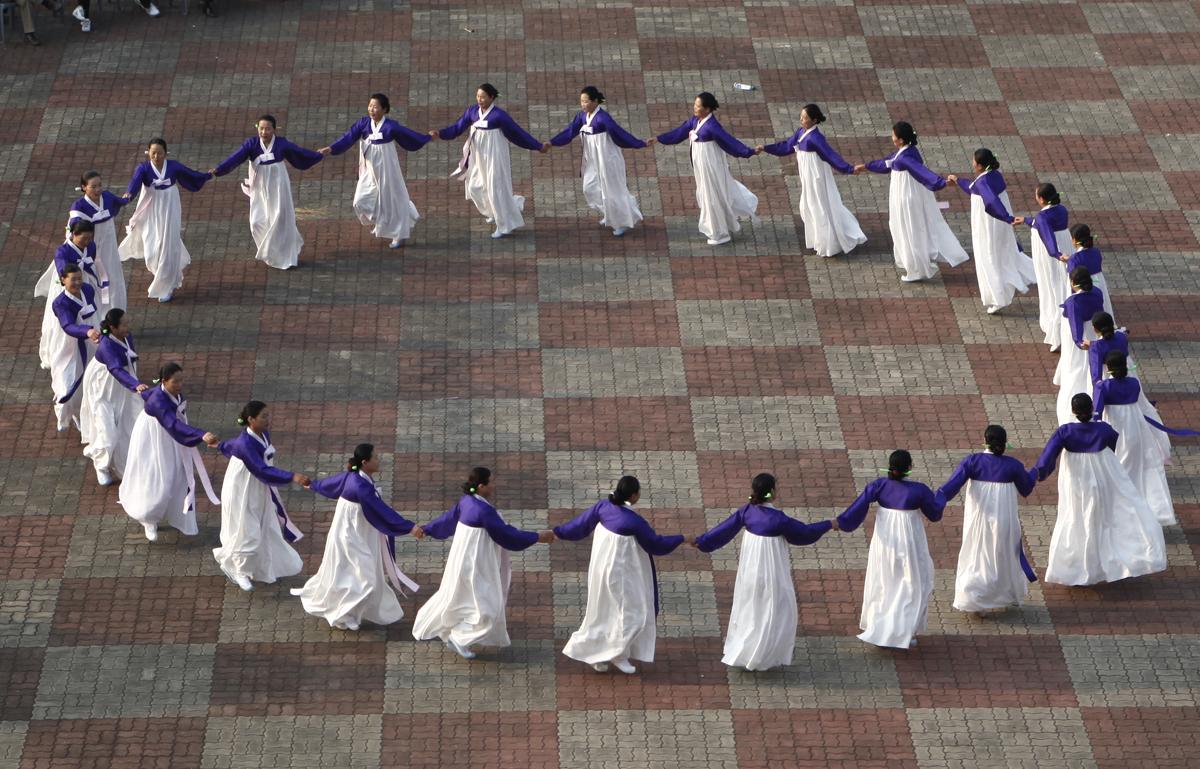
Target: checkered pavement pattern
563	357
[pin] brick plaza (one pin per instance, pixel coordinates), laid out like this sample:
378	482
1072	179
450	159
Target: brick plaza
563	357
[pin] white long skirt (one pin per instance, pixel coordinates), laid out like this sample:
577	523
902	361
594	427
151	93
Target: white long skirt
1141	455
469	605
829	227
1099	281
66	372
722	199
1105	531
989	564
158	473
106	418
252	543
1000	266
1162	439
619	623
899	580
762	625
273	217
49	286
381	198
605	186
489	181
1073	374
920	235
108	254
154	235
1053	284
351	586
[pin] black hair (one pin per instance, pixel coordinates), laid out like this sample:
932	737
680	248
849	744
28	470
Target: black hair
814	113
1081	407
1048	193
167	371
762	485
479	476
489	89
1081	278
159	141
1117	364
112	319
82	225
708	101
593	93
1104	325
251	409
383	101
986	159
362	453
1082	234
906	133
87	177
996	439
68	269
626	488
899	463
269	118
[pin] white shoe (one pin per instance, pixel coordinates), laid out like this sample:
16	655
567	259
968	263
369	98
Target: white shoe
396	243
63	428
151	531
497	234
603	222
152	9
85	25
624	667
912	643
720	242
351	625
907	279
242	581
600	667
78	13
1055	347
461	651
993	310
620	232
489	221
105	477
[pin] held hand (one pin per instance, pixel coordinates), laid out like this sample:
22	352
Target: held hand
434	135
126	196
93	335
1018	220
142	388
758	150
212	171
836	527
545	147
1064	258
652	141
951	178
418	532
303	480
691	542
858	169
1085	344
546	537
326	151
211	440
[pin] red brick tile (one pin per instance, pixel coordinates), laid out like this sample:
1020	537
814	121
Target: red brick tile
1184	186
1149	49
432	481
887	321
206	283
1160	737
609	324
470	374
60	163
20	126
1165	116
580	24
1084	154
591	424
231	125
1158	318
1159	604
130	743
1001	369
330	427
1057	83
911	422
35	423
711	53
459	56
20	671
24	344
1010	671
585	238
743	277
348	90
1028	19
803	22
298	679
464	280
1178	409
620	88
344	26
329	327
508	740
34	546
137	610
685	671
931	51
848	84
955	118
808	477
814	739
270	57
211	376
757	371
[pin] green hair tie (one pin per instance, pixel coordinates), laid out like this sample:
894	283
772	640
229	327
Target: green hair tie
990	446
888	470
471	490
156	381
241	421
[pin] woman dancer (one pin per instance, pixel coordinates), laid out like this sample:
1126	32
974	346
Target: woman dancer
829	227
381	198
993	572
1111	339
272	213
160	482
154	229
920	233
1000	265
100	207
1072	374
620	623
486	159
110	398
468	608
1051	244
351	587
79	249
762	624
74	309
255	529
1105	531
899	577
1087	255
603	170
722	199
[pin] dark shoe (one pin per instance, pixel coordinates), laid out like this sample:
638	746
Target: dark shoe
31	39
209	11
52	5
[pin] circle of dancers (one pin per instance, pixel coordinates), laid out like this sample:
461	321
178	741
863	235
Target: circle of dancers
1110	451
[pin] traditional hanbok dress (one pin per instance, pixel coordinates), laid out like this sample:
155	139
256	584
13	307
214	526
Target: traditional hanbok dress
381	198
920	235
1000	265
160	482
900	573
1105	531
620	622
69	352
993	571
102	215
1117	402
762	623
255	528
829	227
272	213
154	229
1050	241
1096	354
50	286
721	198
360	557
603	168
1094	261
111	404
1073	375
488	165
468	607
